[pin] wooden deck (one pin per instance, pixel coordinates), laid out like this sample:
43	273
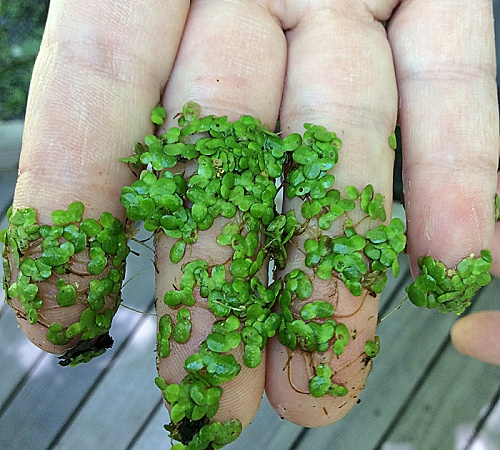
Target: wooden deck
421	394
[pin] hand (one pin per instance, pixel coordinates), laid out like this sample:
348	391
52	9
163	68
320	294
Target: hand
96	81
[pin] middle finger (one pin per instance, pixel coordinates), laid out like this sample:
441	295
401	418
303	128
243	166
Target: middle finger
231	61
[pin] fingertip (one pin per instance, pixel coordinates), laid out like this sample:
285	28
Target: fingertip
448	221
478	336
289	373
243	395
37	335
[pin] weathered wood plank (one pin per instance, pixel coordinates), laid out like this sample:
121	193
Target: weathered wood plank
153	435
17	357
450	401
121	401
488	436
52	394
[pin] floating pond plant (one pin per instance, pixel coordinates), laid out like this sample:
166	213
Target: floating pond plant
236	171
35	253
237	168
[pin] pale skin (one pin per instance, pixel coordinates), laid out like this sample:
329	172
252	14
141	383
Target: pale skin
104	65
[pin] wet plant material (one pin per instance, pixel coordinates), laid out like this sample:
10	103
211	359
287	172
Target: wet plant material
71	249
237	168
85	351
449	290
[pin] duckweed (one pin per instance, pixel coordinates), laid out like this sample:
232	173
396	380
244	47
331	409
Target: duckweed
57	246
237	166
449	290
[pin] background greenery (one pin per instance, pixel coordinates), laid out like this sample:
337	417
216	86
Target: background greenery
21	29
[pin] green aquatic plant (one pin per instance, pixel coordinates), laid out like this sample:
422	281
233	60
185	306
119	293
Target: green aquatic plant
237	167
449	290
42	252
236	171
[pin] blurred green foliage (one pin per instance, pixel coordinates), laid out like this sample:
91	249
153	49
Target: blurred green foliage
21	29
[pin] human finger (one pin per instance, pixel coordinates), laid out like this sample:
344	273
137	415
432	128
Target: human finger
445	67
231	62
95	80
340	75
476	335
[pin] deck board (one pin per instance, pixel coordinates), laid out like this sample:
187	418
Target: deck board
40	397
450	401
488	436
130	381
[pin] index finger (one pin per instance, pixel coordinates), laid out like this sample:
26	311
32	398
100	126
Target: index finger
96	78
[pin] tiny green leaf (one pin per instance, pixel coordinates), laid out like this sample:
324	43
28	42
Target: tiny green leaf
177	251
393	143
158	115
